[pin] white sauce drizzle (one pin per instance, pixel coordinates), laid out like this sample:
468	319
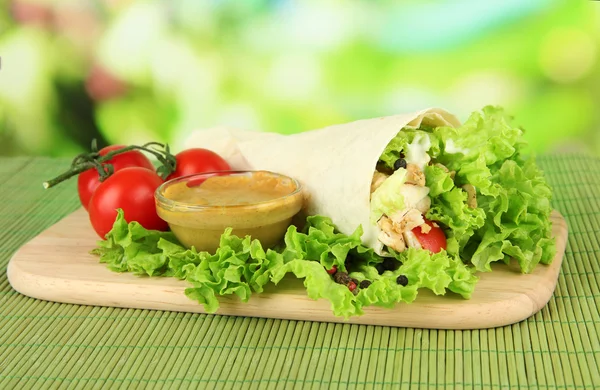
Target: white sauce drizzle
416	151
453	149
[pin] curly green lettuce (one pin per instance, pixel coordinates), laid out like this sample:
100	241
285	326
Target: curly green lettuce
512	217
439	273
405	141
386	199
242	267
487	152
132	248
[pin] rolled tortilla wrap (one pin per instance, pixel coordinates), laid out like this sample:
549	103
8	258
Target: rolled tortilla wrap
225	141
335	164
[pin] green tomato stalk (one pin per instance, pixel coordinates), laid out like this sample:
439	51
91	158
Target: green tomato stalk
93	160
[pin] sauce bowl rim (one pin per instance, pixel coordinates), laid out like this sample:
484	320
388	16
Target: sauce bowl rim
174	205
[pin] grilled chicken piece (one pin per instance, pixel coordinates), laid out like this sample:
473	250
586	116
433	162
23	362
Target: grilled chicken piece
423	205
378	179
396	230
414	196
407	220
414	175
411	240
388	236
425	228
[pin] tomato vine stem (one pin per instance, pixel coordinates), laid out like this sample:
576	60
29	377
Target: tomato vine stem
93	160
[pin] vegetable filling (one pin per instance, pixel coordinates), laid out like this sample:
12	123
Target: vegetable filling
467	192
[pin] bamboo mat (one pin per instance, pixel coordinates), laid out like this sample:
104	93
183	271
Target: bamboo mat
51	345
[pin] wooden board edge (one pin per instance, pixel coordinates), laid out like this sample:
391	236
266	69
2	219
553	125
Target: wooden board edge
277	307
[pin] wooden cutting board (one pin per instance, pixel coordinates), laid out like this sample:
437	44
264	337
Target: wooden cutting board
56	266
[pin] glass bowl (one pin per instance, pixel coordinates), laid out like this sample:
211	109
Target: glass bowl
198	208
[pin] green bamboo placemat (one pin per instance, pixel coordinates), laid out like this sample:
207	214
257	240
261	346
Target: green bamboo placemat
52	345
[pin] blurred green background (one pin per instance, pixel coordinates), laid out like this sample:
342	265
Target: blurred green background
135	71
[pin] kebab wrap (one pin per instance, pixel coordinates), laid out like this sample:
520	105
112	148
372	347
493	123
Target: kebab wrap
424	170
336	164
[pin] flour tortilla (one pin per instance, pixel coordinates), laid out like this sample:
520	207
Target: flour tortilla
335	164
225	141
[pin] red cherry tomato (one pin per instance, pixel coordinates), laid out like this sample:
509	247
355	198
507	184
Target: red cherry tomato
332	270
88	181
352	286
131	189
434	241
197	160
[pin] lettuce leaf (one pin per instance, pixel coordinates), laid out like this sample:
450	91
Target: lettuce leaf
386	198
239	266
513	199
511	191
319	284
488	134
440	272
517	224
394	148
405	142
132	248
321	242
449	207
